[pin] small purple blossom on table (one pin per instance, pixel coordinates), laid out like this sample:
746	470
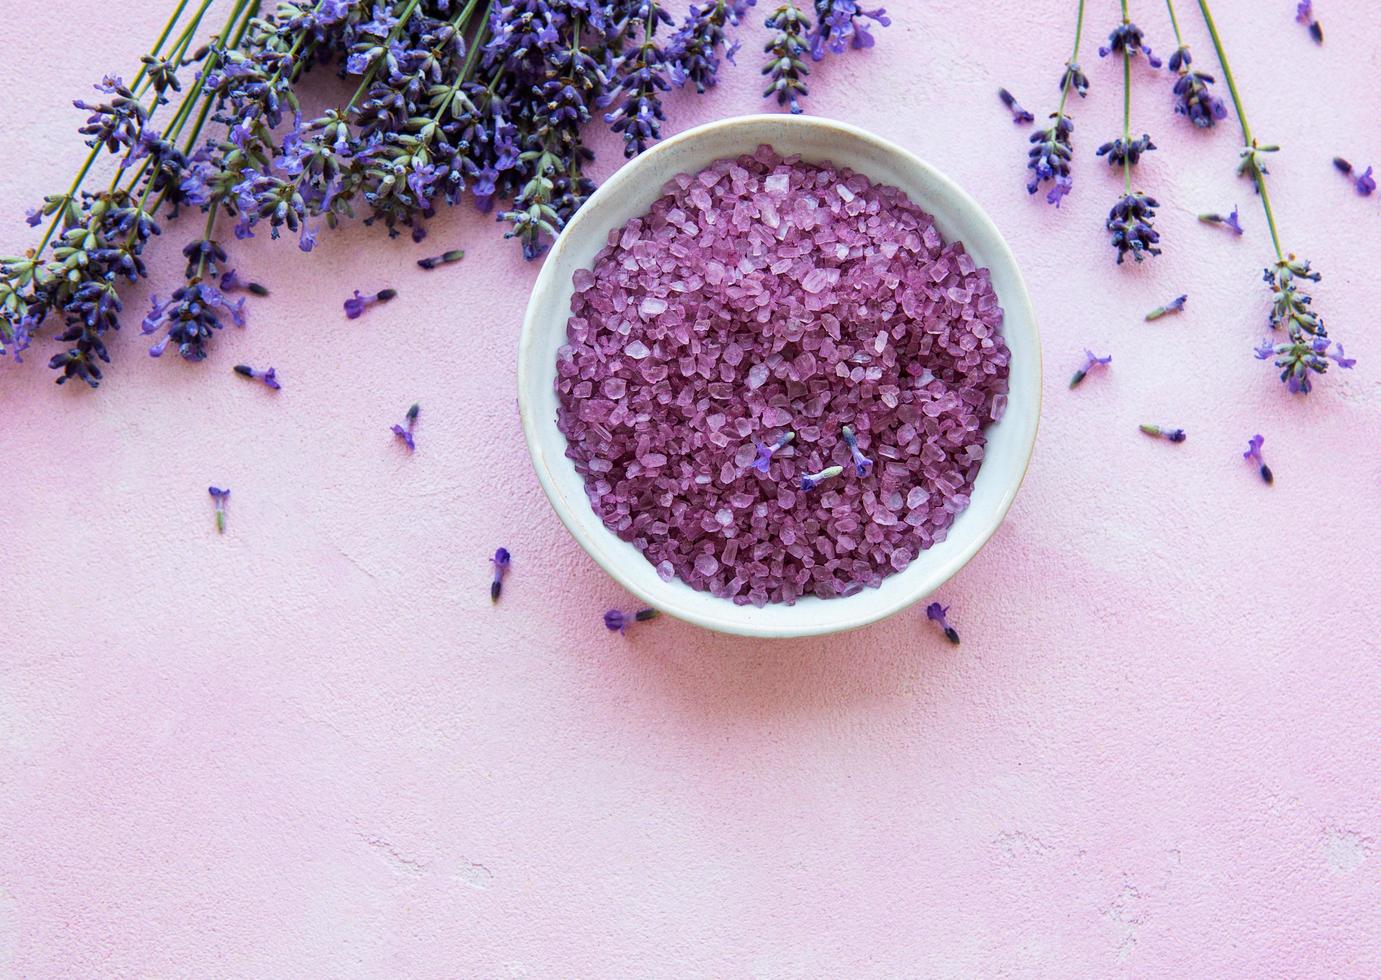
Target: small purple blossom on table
231	281
1176	305
1163	432
357	304
937	613
1253	455
445	258
219	496
1019	115
1230	222
269	377
1304	14
618	622
809	481
500	561
1364	183
862	464
406	434
1091	361
763	463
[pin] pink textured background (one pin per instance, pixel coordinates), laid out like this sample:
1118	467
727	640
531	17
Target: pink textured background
311	747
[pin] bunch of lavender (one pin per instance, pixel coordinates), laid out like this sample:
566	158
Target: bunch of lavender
1052	148
1306	348
1194	99
485	97
1129	221
839	25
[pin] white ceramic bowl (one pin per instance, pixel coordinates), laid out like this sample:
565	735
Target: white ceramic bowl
629	193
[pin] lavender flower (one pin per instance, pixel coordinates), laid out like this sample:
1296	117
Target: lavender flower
445	258
618	622
231	282
1193	98
1127	153
357	304
1073	78
406	434
1304	14
786	67
1019	115
219	496
694	49
1091	361
861	463
1127	40
191	317
1176	305
500	561
1364	183
1230	222
1049	159
1163	432
840	24
1253	455
269	377
937	613
1130	224
1307	349
809	481
765	452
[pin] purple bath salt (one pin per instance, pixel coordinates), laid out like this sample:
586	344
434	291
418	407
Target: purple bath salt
761	297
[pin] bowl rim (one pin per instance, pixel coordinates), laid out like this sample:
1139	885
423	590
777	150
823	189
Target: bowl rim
1019	298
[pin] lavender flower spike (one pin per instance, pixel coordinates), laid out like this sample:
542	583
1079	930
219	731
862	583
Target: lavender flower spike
809	481
406	435
1230	222
269	377
357	304
861	463
1176	305
500	561
219	496
1019	115
1253	455
1163	432
1091	361
1130	224
618	622
937	612
765	452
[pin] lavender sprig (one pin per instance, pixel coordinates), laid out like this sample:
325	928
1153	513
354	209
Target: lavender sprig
786	67
1306	350
1052	148
842	24
1129	221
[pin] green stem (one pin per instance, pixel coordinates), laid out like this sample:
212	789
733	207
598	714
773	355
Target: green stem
1248	141
206	235
1073	60
96	150
1175	23
1126	113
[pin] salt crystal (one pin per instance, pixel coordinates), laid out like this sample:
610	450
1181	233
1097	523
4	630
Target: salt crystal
652	306
637	350
776	184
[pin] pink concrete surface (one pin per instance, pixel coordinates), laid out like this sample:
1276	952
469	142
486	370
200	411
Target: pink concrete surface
311	747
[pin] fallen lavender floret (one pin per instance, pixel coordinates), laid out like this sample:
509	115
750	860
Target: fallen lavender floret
1253	455
1019	115
445	258
357	304
1230	222
500	561
1176	305
269	377
1163	432
1091	361
618	622
231	281
809	481
937	613
406	434
763	462
861	463
1304	14
219	496
1364	183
